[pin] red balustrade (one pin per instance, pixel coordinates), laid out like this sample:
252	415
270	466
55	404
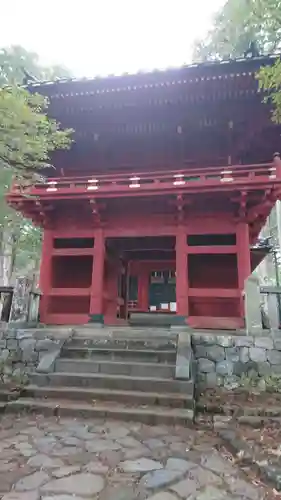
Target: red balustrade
185	179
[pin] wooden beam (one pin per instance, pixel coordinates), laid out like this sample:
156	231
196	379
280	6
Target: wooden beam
211	249
213	292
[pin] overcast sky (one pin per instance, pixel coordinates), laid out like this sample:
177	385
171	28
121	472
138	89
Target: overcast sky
107	36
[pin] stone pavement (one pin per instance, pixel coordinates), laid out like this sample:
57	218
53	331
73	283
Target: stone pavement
49	459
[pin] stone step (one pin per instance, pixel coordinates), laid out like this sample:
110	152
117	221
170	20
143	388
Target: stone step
124	331
125	342
119	354
149	415
8	394
47	331
173	400
115	368
3	405
119	382
161	321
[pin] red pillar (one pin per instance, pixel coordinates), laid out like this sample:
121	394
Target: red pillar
110	291
45	281
243	259
181	273
96	304
143	288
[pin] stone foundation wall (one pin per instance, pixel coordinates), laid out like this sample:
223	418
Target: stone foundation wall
222	360
219	360
23	351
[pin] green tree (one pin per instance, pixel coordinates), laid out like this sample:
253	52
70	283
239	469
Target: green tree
27	135
27	138
239	23
270	81
15	61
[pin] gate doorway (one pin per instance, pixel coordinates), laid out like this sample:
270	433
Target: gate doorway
144	274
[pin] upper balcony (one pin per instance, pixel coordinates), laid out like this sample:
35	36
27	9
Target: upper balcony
232	178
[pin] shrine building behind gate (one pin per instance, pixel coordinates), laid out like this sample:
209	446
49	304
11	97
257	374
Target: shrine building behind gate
158	204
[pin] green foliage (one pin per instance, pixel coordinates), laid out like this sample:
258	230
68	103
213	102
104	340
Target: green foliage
270	81
231	33
5	182
19	233
237	24
27	138
15	60
27	135
249	380
27	239
273	383
252	383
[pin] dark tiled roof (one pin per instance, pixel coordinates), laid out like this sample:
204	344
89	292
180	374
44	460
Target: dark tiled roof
243	64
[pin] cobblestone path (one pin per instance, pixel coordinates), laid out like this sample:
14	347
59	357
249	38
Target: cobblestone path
45	459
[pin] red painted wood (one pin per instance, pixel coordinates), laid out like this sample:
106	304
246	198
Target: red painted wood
96	304
212	292
110	296
143	289
243	259
181	272
212	271
220	281
66	232
73	251
192	180
141	226
210	223
70	292
67	319
105	297
45	274
214	249
209	278
198	171
260	169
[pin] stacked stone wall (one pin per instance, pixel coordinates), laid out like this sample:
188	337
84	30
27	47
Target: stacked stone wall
225	360
21	351
218	360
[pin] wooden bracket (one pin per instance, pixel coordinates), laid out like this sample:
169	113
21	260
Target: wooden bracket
180	203
96	209
240	210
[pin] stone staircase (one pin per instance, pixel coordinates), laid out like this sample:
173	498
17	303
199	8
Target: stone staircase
131	375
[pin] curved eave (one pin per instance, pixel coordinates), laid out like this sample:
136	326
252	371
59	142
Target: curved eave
193	73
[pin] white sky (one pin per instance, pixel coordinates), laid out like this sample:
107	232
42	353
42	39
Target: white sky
107	36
